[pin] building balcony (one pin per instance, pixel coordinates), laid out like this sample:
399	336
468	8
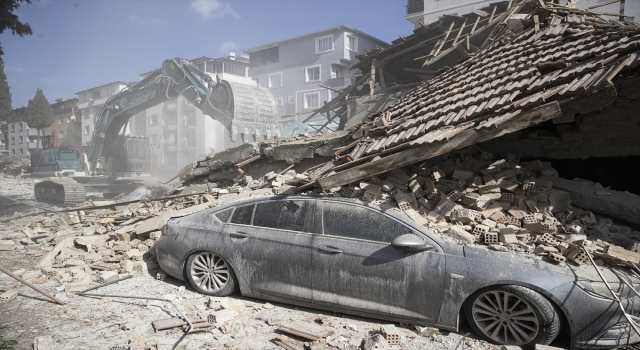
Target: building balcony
338	82
415	8
32	145
32	132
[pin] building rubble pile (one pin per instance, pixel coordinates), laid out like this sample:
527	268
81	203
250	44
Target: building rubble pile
503	204
83	247
14	165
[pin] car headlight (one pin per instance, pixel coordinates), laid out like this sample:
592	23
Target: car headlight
599	289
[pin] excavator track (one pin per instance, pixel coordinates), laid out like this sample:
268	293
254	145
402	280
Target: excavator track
59	191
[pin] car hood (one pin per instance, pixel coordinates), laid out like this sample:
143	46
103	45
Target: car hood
578	272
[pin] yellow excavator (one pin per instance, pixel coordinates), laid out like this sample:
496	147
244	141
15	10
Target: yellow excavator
115	163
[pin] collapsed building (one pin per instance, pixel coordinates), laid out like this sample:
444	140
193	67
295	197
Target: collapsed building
528	80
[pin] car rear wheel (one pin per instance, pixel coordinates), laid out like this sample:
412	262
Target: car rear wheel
512	315
208	273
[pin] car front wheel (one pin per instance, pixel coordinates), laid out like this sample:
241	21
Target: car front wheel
208	273
512	315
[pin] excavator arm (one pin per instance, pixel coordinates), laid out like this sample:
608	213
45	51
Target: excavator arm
243	109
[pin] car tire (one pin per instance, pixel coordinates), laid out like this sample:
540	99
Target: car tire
528	318
208	273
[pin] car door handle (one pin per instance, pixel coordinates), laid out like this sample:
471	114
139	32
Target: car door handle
239	235
331	250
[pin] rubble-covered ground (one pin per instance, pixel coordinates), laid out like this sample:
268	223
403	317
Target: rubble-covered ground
28	235
468	197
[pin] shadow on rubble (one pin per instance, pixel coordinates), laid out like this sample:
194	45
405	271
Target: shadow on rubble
9	205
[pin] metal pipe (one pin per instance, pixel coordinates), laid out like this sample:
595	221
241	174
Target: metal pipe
615	296
142	297
32	286
104	285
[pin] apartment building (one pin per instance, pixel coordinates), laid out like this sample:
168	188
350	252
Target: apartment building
66	128
20	138
90	103
306	71
428	11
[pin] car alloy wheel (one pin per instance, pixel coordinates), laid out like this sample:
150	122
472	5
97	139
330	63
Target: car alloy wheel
505	318
512	315
209	272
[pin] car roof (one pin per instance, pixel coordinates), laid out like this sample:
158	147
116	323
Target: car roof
391	211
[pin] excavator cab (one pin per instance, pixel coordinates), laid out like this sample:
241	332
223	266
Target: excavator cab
131	156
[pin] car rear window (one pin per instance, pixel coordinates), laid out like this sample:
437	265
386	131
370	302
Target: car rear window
284	215
353	221
242	215
224	215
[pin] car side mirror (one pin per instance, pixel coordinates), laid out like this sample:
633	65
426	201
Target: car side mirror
410	242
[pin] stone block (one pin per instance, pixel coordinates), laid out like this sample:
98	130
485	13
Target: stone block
555	257
491	237
391	334
507	236
225	315
8	296
461	235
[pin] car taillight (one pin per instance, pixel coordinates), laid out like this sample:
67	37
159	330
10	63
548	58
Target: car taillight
166	231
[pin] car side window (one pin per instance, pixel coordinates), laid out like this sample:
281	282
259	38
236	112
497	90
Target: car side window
353	221
224	215
242	215
282	214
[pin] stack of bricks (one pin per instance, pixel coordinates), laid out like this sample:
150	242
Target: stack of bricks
503	203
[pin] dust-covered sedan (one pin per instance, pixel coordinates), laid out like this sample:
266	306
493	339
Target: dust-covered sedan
357	258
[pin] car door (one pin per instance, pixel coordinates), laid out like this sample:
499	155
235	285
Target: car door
355	266
272	247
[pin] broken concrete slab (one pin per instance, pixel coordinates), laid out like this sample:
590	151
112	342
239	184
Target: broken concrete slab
622	205
155	223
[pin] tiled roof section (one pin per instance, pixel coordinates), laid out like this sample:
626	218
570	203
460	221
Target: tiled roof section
571	55
435	45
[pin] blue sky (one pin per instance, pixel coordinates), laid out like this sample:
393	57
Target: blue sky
80	44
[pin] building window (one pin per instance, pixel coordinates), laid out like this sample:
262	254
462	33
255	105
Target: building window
292	100
312	100
153	120
312	74
210	67
351	42
20	127
21	152
234	69
275	80
68	120
279	101
61	120
13	128
324	44
60	134
13	140
190	118
86	129
85	115
266	56
20	140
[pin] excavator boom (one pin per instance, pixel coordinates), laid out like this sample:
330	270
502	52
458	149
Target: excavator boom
248	111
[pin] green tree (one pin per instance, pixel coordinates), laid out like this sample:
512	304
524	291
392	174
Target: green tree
38	114
5	95
9	20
